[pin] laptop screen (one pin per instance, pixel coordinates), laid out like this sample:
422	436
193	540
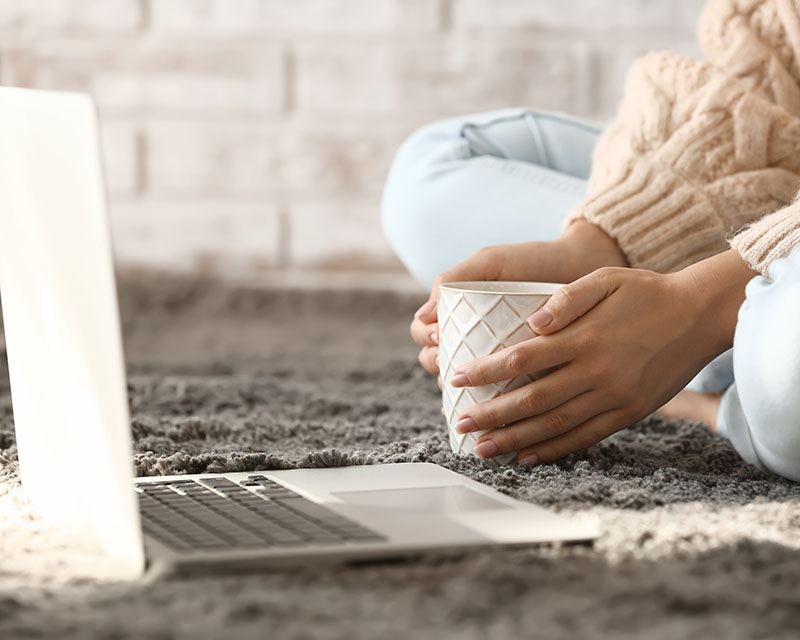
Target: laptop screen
61	322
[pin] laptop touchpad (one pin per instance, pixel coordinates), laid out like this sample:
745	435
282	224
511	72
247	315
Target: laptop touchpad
454	499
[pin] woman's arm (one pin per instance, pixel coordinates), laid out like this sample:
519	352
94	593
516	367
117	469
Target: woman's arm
623	342
582	248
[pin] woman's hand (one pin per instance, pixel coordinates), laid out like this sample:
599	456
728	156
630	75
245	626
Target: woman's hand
582	248
624	341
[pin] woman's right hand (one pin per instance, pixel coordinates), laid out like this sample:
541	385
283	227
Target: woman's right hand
582	248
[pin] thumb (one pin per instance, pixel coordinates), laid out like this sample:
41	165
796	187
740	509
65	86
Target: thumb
573	300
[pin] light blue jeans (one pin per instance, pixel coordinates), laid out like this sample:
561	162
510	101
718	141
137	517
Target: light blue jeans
511	176
518	169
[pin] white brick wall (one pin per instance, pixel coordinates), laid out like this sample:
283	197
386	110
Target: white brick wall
598	16
276	17
198	235
143	76
248	136
120	148
359	240
436	77
57	17
260	158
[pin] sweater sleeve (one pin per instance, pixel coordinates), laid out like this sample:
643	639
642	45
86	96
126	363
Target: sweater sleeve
769	238
699	149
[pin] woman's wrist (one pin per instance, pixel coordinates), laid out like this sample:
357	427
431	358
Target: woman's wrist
590	248
715	289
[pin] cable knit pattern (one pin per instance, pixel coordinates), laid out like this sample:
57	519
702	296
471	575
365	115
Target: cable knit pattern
701	149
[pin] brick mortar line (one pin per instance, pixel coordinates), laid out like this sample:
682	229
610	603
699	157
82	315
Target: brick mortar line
162	196
272	197
517	37
289	80
283	257
445	16
352	122
140	160
290	122
145	15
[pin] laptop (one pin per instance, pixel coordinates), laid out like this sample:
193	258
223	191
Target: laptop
70	404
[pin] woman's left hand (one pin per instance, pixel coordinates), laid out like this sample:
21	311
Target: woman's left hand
624	341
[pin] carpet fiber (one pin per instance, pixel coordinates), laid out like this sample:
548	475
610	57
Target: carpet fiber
695	543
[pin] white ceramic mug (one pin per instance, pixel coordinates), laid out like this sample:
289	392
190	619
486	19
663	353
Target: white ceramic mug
477	319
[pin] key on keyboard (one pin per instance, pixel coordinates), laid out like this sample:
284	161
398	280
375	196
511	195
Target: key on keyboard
218	514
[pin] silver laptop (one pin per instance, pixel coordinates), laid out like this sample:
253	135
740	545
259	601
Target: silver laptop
71	410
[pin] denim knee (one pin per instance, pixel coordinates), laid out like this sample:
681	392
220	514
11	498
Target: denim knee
458	185
766	359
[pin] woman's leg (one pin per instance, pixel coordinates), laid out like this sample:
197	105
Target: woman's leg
716	376
493	178
760	412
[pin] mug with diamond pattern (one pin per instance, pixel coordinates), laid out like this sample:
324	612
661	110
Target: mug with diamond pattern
477	319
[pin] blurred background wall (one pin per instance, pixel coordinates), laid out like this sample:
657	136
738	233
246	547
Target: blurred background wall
250	138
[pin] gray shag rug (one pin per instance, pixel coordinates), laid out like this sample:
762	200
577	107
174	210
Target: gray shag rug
695	543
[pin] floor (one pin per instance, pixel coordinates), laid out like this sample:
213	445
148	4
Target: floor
695	543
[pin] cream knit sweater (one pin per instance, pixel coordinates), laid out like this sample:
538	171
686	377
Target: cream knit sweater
703	154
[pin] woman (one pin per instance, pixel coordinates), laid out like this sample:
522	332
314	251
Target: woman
680	242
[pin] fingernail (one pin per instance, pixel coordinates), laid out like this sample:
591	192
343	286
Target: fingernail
487	449
459	380
442	410
425	308
541	318
435	337
436	360
529	459
465	425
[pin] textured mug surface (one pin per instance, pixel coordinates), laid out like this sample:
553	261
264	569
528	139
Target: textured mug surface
477	319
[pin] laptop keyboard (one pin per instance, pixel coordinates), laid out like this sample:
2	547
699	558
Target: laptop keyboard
219	514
